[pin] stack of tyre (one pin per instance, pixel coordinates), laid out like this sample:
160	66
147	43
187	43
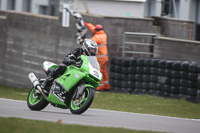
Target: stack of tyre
166	78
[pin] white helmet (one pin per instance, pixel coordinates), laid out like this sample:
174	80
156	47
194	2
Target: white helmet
90	47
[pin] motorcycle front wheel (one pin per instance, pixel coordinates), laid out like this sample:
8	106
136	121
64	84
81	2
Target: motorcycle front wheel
35	100
80	105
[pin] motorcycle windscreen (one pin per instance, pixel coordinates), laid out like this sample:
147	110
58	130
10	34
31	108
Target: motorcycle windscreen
93	61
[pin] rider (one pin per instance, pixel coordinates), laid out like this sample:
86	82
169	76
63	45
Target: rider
89	48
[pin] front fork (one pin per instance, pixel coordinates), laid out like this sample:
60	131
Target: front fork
80	90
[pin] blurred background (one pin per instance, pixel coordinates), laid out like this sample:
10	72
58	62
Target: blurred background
179	9
32	31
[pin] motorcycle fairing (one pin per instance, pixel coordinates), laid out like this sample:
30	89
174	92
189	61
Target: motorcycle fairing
70	78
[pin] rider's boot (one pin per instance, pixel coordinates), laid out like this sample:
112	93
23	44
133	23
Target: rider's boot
58	71
45	84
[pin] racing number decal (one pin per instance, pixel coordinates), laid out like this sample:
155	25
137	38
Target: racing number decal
96	74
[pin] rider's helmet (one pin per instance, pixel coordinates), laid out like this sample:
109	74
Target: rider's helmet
98	27
90	47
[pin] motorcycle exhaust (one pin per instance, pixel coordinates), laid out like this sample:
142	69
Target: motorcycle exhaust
36	84
33	79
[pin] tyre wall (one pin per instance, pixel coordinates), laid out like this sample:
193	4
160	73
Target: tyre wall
166	78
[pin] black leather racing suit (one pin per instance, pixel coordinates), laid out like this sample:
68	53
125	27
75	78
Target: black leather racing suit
73	58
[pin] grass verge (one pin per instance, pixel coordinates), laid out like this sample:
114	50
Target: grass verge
18	125
128	103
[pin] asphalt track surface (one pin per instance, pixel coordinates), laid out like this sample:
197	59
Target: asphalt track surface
101	118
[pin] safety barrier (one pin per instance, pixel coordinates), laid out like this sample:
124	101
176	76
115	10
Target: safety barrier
166	78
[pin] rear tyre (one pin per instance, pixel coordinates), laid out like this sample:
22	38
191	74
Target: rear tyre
35	100
78	106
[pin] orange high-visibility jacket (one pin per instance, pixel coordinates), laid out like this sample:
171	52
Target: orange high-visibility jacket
100	38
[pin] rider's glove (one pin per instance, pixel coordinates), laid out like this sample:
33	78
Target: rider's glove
72	62
86	24
68	61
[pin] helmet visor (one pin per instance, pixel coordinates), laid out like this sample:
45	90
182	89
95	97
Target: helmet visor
93	51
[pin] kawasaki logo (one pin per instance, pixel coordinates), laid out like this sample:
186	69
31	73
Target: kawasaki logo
58	97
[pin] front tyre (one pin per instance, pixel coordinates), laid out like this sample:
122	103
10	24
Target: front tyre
35	100
78	106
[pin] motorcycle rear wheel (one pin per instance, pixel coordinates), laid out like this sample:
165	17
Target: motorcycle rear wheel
36	101
84	104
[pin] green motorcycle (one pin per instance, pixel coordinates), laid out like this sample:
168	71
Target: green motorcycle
73	90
